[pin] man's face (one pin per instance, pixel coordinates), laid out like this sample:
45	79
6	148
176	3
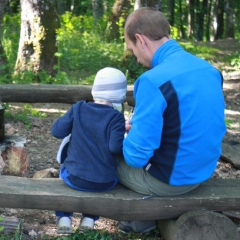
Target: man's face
139	51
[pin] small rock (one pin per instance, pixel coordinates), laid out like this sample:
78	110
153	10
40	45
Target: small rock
47	173
32	233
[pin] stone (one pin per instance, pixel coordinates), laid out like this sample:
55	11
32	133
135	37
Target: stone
46	173
230	151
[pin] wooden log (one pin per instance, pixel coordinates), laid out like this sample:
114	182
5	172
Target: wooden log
13	156
50	93
119	203
9	225
199	225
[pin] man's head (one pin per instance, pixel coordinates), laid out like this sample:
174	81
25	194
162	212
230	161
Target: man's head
146	29
110	85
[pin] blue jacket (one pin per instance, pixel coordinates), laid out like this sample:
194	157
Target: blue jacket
178	122
97	133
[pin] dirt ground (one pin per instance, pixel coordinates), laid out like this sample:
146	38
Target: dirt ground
36	223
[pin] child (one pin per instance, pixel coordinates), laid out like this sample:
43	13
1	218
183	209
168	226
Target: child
96	132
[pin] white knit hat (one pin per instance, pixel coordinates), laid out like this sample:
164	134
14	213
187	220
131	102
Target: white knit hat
110	85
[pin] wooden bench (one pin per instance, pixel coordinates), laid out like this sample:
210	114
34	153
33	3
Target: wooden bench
187	215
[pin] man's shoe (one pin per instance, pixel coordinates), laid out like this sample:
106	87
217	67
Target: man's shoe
64	225
136	226
86	224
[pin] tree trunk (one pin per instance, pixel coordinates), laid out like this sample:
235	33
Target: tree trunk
191	18
120	10
61	8
201	11
2	7
208	20
181	18
170	10
229	6
214	20
4	70
97	7
199	225
220	20
37	44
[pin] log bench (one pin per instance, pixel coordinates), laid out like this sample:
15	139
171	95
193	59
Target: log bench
196	215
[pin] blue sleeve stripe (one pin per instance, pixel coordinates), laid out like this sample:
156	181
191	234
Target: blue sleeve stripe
164	157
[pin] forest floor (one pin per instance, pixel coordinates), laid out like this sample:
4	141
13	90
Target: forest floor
37	223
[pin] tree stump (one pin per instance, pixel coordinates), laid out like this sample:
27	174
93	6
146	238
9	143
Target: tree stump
199	225
13	156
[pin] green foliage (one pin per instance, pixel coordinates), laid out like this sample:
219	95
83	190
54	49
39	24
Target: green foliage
87	235
10	37
228	122
1	227
25	77
22	115
236	61
83	50
212	54
104	235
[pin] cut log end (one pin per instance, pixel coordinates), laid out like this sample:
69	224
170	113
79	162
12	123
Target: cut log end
199	225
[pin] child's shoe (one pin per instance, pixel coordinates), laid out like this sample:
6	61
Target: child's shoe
64	225
86	224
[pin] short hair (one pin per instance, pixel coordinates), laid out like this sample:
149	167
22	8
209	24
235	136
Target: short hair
149	22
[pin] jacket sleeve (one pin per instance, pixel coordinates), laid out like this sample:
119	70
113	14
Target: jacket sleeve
62	127
147	122
117	134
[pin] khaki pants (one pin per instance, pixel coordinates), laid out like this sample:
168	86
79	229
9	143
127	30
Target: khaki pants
139	180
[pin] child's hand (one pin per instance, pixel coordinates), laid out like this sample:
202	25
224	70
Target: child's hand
127	126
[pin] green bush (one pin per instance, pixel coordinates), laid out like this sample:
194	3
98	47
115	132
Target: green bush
82	51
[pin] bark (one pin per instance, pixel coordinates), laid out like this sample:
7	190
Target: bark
229	18
4	70
191	17
37	44
170	10
10	225
199	224
97	6
181	20
220	20
51	93
13	156
120	10
208	20
53	194
201	12
61	8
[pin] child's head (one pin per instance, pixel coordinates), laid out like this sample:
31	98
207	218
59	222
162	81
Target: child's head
110	85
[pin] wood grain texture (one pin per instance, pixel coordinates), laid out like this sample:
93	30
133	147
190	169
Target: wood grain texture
118	204
50	93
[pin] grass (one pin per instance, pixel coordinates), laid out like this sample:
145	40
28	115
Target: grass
90	235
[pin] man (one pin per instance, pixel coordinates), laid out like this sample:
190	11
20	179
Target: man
174	137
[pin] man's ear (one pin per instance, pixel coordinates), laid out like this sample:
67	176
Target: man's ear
140	38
